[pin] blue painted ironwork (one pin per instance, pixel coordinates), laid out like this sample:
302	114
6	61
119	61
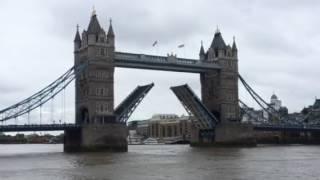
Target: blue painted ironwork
284	125
43	96
260	101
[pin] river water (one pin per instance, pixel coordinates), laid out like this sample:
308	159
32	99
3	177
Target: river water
145	162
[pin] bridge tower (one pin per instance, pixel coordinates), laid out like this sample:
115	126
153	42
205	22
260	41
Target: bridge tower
219	89
95	92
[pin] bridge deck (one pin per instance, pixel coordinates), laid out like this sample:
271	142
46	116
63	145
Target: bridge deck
169	63
287	128
128	105
42	127
194	107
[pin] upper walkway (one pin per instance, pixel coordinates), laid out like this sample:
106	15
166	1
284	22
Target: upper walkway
165	63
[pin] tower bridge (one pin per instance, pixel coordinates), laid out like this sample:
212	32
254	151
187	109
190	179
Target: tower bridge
99	126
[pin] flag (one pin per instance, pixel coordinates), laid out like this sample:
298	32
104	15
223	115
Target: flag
155	43
181	46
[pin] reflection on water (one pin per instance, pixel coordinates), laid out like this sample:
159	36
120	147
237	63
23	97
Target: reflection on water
176	162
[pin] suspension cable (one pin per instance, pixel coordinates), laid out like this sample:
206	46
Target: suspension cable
250	89
51	111
43	96
29	117
245	110
256	97
61	109
64	105
248	113
40	114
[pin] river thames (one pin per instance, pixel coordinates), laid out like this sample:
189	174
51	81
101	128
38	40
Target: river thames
145	162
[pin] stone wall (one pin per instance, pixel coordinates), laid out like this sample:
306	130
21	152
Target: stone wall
234	133
72	140
97	137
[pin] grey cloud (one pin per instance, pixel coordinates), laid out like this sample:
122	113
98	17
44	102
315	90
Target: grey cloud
133	26
277	42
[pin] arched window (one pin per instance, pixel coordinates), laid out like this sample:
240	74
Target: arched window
102	51
101	108
101	91
102	39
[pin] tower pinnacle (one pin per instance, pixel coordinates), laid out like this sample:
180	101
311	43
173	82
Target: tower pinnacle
234	46
110	30
77	36
202	53
94	26
93	11
217	30
201	49
218	42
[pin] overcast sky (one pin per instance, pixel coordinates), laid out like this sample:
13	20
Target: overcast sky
278	44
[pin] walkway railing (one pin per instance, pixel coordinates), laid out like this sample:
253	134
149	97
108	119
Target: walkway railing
38	127
167	63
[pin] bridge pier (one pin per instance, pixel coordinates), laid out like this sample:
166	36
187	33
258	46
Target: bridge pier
225	134
97	137
234	134
287	137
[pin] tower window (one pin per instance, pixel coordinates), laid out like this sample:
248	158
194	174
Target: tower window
106	108
102	51
102	91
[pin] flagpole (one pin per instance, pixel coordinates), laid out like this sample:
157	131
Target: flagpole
155	46
157	50
184	52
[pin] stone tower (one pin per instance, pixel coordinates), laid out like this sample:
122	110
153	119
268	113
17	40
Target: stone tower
94	88
220	88
99	130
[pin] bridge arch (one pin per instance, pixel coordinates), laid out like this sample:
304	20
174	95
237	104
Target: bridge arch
84	115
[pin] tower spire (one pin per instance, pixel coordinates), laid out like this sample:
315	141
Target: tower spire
201	49
94	26
93	11
77	36
218	42
217	30
202	53
77	40
234	46
110	30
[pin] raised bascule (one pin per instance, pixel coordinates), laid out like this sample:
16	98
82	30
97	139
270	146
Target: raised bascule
100	126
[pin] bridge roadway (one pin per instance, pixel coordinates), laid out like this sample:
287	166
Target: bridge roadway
62	127
165	63
286	128
38	127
